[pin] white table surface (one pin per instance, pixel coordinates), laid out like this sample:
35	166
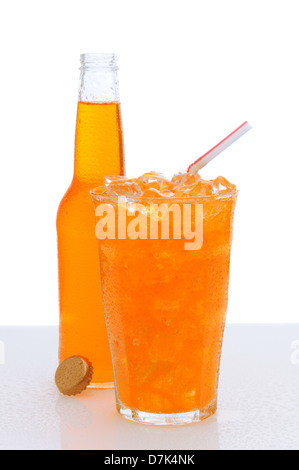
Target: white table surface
258	399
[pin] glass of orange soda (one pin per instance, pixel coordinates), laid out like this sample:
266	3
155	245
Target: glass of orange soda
165	256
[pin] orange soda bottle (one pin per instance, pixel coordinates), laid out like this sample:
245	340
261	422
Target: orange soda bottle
98	153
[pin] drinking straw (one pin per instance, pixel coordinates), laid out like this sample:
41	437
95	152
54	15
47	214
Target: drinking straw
229	140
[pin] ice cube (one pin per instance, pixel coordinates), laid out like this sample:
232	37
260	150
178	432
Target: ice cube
183	191
101	191
152	180
126	189
151	176
113	179
201	188
185	179
156	193
221	185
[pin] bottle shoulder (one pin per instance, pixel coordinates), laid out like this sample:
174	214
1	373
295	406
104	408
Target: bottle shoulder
76	203
66	197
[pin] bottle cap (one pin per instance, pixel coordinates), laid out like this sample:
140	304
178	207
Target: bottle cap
73	375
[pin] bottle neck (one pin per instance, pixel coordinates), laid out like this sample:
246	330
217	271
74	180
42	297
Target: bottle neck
98	147
98	79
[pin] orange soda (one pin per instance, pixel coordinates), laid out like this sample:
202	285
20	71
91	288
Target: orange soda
165	305
98	152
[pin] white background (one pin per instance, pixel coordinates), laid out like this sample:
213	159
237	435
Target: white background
190	72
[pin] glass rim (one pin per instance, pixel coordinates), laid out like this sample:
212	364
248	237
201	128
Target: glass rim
97	62
98	55
161	200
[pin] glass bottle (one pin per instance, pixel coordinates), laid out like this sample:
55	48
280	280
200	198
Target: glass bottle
98	153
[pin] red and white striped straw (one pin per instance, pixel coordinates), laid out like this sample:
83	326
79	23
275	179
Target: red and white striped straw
229	140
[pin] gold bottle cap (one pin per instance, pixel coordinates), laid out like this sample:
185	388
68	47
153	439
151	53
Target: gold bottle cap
73	375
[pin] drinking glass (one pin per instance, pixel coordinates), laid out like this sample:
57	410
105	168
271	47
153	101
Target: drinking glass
165	302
